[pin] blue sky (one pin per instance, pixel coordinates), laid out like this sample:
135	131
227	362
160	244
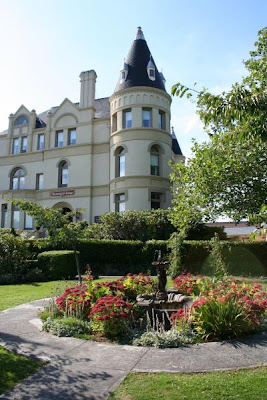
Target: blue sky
46	44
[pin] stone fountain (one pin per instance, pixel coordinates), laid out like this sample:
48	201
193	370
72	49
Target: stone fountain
161	304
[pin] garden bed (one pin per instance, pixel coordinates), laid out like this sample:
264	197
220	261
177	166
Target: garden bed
221	310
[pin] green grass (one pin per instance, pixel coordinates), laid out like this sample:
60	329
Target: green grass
227	385
13	295
15	368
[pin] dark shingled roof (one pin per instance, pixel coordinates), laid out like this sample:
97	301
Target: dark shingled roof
137	60
175	145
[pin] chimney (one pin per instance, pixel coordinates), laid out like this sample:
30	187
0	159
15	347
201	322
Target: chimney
88	81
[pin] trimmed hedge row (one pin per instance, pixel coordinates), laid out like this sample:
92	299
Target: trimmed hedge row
57	264
114	257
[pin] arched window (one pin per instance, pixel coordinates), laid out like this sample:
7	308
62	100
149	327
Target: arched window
22	120
17	179
63	174
154	160
120	162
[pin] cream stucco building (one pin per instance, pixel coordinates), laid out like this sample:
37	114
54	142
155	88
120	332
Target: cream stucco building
98	155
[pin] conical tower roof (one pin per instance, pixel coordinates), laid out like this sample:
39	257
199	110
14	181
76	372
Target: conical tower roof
137	61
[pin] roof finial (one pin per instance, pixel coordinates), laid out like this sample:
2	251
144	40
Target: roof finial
139	34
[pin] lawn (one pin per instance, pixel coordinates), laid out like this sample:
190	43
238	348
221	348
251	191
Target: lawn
249	384
15	368
13	295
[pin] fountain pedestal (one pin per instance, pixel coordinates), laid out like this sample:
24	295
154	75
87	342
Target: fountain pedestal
162	304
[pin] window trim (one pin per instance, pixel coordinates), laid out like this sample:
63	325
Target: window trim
124	112
56	138
150	117
118	201
18	177
13	146
21	144
37	183
60	172
22	124
38	141
69	136
162	119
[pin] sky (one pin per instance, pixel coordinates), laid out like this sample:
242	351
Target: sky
46	44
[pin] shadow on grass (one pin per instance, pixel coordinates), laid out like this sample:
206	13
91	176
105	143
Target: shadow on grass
61	378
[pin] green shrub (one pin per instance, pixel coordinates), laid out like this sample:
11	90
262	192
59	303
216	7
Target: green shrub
133	225
66	326
220	320
13	255
57	264
171	338
34	275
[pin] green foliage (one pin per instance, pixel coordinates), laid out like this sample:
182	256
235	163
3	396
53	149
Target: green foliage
13	256
171	338
226	176
218	267
57	264
59	226
66	326
220	320
176	245
243	109
133	225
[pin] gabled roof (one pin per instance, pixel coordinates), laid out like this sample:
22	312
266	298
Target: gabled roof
137	60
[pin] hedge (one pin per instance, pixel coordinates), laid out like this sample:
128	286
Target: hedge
115	257
57	264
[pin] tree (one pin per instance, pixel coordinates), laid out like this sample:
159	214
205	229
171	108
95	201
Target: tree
244	108
59	226
228	174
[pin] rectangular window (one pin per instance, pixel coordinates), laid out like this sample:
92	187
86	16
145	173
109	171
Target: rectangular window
15	146
162	120
146	113
127	119
71	137
24	141
15	217
114	122
28	222
59	139
39	181
155	200
4	214
40	143
120	202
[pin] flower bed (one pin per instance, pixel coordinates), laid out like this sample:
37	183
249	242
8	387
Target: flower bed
220	310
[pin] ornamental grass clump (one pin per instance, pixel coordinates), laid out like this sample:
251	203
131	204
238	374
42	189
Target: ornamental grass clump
111	315
75	301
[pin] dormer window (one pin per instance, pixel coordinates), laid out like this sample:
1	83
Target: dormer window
22	120
124	72
151	70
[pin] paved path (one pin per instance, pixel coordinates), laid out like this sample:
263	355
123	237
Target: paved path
80	369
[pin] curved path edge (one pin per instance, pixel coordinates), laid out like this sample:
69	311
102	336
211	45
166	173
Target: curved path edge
80	369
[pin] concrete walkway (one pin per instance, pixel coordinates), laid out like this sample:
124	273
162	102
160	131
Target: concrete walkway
79	369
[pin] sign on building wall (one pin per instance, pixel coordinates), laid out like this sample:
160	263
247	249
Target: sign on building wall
62	194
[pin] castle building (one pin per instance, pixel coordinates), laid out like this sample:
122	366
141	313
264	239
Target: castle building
98	155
